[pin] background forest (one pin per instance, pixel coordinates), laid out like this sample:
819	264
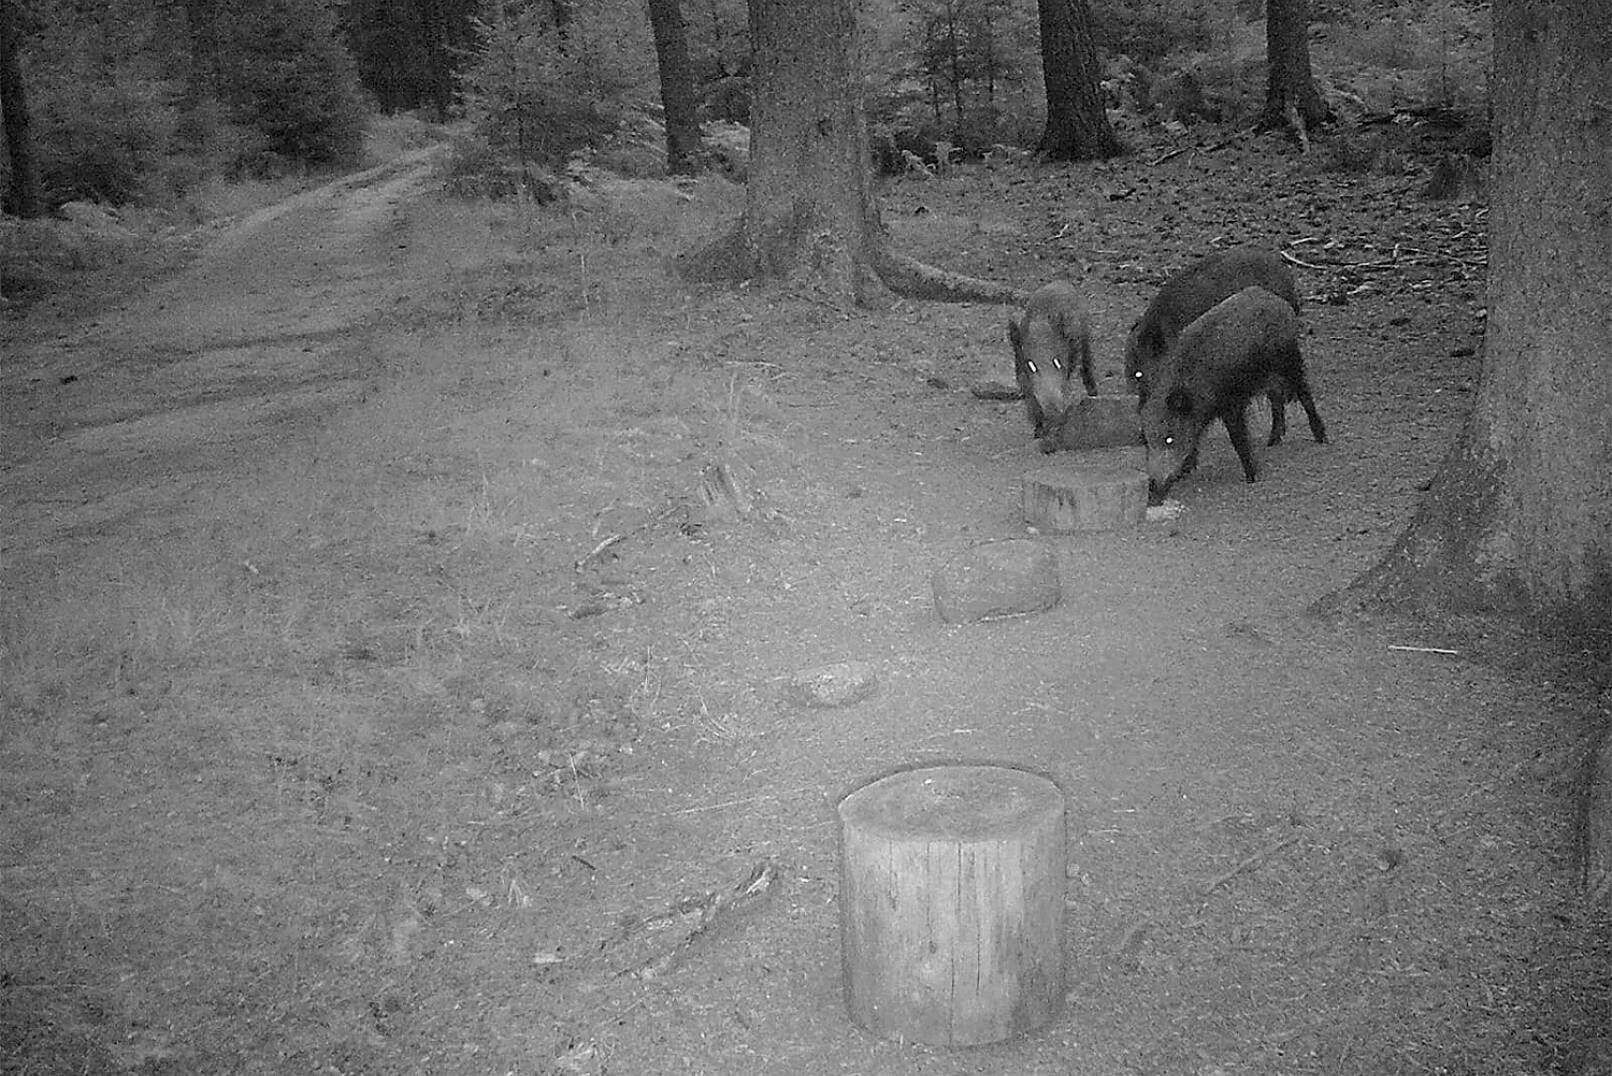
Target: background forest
162	104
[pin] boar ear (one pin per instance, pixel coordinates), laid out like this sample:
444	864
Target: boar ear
1179	402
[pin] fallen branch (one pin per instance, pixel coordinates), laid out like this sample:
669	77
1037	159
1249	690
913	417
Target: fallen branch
1247	865
692	918
1301	263
1167	156
612	539
1229	139
1423	649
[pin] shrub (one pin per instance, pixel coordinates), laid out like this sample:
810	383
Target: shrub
543	93
1433	53
101	139
288	75
104	105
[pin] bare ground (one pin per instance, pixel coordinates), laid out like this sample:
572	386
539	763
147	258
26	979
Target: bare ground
380	696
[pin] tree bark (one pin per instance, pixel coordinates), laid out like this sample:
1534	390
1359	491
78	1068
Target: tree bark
1290	85
1519	516
201	20
676	86
23	196
1077	124
810	215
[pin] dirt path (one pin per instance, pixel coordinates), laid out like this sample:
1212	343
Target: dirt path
314	717
124	413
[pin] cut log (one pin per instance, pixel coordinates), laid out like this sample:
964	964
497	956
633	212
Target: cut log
951	904
1101	496
1106	421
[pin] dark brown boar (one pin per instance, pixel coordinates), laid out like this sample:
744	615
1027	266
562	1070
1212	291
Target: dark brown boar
1238	348
1188	294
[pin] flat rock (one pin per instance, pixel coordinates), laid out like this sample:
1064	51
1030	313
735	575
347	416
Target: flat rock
1106	421
834	685
1012	577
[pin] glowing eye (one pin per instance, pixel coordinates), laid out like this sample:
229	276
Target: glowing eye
1056	365
1138	375
1029	365
1169	441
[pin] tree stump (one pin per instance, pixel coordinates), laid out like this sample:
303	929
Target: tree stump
1064	499
951	904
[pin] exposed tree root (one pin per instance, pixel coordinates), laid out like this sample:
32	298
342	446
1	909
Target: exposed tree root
1442	563
878	274
916	280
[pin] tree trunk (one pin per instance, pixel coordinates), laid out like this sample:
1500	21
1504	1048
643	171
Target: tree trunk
203	30
809	212
1519	516
1077	124
1290	86
954	57
23	196
439	56
561	15
676	86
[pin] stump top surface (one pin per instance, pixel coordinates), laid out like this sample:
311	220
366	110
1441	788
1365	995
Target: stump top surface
952	802
1080	474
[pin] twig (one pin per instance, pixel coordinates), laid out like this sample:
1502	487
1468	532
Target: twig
1228	140
612	539
1476	263
695	917
1388	264
743	800
1301	263
1167	156
1248	864
1423	649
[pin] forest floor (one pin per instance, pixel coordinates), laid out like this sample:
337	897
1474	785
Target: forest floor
381	697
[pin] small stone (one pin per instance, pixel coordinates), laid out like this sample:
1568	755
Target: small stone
841	684
997	579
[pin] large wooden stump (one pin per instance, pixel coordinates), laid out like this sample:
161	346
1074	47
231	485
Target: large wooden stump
951	904
1063	499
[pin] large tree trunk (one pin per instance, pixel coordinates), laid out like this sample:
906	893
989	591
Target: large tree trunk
1290	87
1519	517
676	86
23	196
809	213
1077	123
